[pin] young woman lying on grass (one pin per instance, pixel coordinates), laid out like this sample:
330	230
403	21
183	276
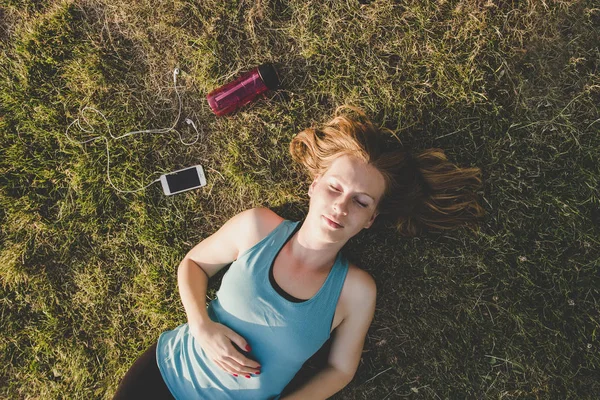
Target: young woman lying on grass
289	286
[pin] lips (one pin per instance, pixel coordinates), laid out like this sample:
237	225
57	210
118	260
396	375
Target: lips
338	225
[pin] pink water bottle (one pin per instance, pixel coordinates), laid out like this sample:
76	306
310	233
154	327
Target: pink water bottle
243	90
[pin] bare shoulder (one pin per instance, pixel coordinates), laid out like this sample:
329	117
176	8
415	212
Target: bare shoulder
254	224
359	280
359	291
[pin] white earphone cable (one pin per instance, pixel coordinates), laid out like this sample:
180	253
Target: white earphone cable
162	130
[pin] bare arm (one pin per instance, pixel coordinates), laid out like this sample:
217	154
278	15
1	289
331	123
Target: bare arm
212	254
201	263
192	282
359	296
323	385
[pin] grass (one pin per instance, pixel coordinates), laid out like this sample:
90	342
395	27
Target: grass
89	275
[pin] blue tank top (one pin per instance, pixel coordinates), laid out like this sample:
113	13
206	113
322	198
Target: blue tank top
282	334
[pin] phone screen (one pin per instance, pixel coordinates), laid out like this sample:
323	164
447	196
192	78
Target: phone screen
182	180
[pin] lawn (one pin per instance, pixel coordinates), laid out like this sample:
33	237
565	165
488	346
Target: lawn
88	274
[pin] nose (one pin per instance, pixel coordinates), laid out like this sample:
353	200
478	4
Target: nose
341	206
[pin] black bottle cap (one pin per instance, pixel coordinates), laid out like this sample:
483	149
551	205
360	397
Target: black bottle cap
269	75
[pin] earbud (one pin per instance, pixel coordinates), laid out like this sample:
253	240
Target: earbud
87	127
190	122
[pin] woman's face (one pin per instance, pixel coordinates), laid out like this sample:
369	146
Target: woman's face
344	199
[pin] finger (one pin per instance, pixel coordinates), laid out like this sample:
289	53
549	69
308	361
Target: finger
236	369
243	369
242	360
238	340
226	368
242	344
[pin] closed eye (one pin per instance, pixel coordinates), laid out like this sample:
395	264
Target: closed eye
357	202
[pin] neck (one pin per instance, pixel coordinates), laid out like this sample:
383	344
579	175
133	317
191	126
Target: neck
307	250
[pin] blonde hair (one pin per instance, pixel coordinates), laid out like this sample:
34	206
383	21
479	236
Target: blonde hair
422	190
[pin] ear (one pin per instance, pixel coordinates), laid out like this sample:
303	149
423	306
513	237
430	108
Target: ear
372	219
311	188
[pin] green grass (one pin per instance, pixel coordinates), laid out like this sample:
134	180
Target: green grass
89	275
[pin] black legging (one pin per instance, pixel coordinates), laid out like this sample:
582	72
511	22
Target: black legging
143	380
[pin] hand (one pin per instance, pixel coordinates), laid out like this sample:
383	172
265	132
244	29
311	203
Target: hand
218	341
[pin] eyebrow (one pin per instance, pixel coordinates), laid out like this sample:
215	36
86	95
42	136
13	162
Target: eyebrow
341	180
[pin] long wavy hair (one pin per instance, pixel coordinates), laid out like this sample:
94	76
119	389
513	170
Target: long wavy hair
423	190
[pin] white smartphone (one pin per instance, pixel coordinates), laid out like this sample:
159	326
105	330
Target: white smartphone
183	180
